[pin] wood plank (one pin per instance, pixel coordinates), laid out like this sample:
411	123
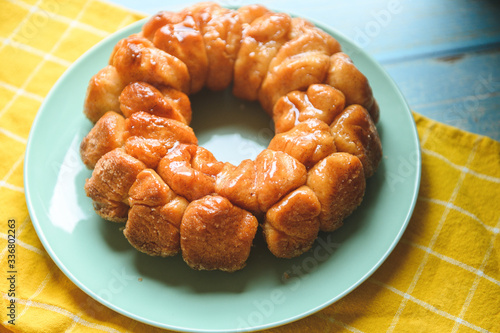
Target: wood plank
461	91
394	30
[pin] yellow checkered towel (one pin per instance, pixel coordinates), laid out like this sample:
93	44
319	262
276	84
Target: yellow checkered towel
443	276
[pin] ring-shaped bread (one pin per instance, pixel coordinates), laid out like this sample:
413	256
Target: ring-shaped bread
174	196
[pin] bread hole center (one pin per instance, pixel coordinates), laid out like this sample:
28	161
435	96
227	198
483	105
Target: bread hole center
231	128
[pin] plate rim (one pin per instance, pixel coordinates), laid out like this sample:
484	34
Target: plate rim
55	258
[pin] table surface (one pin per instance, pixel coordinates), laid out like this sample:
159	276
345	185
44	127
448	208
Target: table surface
443	54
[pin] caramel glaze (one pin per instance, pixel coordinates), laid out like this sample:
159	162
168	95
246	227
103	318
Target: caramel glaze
174	196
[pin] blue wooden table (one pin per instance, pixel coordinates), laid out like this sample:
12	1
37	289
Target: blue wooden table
443	54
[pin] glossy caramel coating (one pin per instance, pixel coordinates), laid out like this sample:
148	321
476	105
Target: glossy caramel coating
155	216
257	185
148	137
149	126
148	151
168	103
250	13
102	93
159	20
308	142
184	41
237	183
111	180
149	189
292	224
354	132
339	183
344	76
136	59
319	101
221	29
302	61
105	136
261	41
215	234
190	171
277	174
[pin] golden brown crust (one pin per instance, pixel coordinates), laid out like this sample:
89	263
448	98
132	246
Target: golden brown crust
302	61
168	103
102	93
111	180
238	184
179	101
277	174
355	133
148	151
150	231
344	76
154	218
159	20
148	126
136	59
250	13
215	234
292	224
105	136
257	185
185	41
221	30
339	183
261	41
308	142
150	190
190	171
320	101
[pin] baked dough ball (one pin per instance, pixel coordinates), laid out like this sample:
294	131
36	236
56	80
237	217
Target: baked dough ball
111	180
320	101
150	126
354	132
105	136
249	13
339	183
221	30
238	184
185	41
148	137
257	185
302	61
136	59
261	41
155	216
344	76
102	93
164	102
277	174
149	189
190	171
159	20
148	151
215	234
291	226
308	142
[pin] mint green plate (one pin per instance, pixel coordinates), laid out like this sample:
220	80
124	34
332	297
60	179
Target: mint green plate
165	292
